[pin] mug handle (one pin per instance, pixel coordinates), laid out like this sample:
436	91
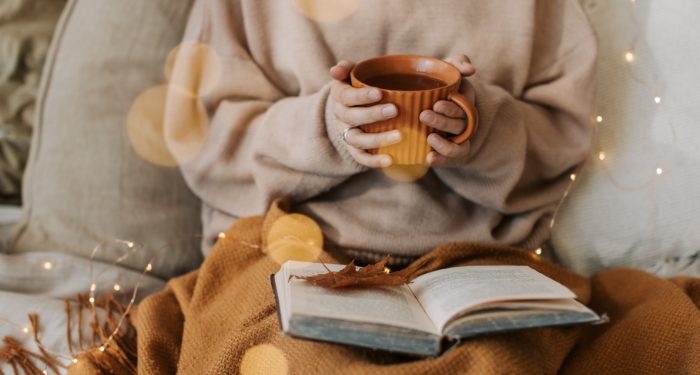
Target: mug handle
472	116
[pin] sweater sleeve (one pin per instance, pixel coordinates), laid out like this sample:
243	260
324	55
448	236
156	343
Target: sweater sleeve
261	143
530	140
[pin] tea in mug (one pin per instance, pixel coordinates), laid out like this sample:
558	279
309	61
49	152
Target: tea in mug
404	82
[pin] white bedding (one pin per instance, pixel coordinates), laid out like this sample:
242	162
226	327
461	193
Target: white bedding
26	286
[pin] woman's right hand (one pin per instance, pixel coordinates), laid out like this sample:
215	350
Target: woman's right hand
345	99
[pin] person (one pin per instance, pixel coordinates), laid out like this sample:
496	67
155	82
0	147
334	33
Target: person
283	101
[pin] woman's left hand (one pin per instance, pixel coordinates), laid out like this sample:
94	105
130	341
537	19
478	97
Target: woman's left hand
448	117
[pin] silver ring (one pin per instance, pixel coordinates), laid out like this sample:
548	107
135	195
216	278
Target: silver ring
345	133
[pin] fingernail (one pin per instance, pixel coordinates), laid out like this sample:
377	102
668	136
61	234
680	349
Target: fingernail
429	118
393	137
389	111
385	162
374	94
466	64
430	158
436	142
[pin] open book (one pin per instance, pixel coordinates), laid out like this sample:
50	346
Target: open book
428	316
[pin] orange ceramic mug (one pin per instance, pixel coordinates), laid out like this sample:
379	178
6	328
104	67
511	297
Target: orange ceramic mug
413	84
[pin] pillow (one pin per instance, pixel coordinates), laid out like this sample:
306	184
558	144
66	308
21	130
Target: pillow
84	182
637	207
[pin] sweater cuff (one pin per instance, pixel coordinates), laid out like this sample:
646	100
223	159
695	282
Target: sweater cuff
334	137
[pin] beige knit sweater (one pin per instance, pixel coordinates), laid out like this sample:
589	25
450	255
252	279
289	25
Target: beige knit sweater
273	134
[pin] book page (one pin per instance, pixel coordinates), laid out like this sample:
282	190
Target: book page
444	293
390	305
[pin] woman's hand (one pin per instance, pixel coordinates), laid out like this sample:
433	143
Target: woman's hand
445	116
448	117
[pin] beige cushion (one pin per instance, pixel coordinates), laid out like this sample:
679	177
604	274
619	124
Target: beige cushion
621	213
84	182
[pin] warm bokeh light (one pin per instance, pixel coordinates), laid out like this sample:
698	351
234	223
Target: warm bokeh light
161	143
144	126
281	247
573	177
538	251
264	359
659	170
601	155
599	118
194	69
117	287
297	225
629	56
48	265
186	126
657	100
406	172
327	10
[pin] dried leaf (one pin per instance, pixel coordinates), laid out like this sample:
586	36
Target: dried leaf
372	275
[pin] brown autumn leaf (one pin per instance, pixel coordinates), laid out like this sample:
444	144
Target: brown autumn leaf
372	275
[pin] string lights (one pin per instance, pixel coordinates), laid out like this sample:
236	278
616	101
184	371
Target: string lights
629	57
134	246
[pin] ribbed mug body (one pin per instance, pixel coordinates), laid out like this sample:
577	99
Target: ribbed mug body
414	147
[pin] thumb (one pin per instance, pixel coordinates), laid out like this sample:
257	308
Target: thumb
341	71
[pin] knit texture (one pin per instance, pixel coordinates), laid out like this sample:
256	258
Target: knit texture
273	133
222	320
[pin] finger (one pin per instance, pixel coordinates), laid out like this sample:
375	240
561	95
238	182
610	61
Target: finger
442	122
356	116
463	64
363	157
365	141
449	109
341	71
350	96
448	148
435	158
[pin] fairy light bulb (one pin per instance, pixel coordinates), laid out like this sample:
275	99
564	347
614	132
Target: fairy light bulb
75	360
601	155
629	56
92	300
222	235
149	267
657	100
26	330
573	177
48	265
92	287
659	170
130	244
117	287
102	348
538	251
599	118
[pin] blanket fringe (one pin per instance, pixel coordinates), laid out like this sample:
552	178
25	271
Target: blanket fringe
118	357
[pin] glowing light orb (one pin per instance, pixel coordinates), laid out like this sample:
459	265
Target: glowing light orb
264	359
166	144
194	69
325	11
